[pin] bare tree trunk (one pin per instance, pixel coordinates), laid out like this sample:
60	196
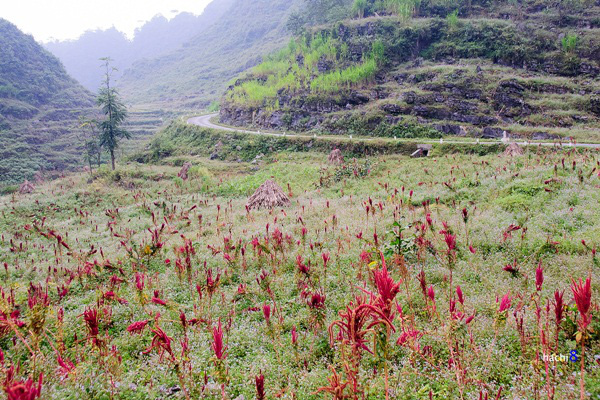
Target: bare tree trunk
112	158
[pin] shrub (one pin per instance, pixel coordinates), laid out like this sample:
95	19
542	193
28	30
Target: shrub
569	43
359	7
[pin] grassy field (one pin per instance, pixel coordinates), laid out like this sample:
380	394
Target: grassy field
136	284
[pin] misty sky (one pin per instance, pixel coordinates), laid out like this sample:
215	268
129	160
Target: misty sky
67	19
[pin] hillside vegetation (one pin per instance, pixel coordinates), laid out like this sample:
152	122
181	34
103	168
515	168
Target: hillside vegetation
462	68
39	107
446	277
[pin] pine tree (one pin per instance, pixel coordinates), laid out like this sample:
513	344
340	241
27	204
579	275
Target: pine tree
114	112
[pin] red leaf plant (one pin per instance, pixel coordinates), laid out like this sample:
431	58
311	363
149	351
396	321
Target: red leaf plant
260	387
387	289
161	342
92	322
21	390
582	292
137	327
217	345
355	323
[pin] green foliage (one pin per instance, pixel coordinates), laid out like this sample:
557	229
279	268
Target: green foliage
179	139
569	43
115	114
39	107
405	9
378	52
283	70
350	170
213	106
30	74
452	19
409	131
335	81
359	7
496	40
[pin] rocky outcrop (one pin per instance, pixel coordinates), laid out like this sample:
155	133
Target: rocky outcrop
508	99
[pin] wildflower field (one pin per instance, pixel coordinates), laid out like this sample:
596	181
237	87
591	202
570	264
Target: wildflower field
447	277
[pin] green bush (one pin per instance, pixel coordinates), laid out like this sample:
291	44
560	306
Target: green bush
8	189
569	42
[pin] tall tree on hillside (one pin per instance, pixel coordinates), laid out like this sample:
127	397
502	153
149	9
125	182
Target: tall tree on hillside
114	112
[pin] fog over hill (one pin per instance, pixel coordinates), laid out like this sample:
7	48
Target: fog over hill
156	37
198	72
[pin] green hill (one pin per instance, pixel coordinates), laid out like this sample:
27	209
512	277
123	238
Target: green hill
198	72
39	106
432	68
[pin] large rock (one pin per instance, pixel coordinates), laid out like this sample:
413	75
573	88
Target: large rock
450	129
595	105
508	99
492	133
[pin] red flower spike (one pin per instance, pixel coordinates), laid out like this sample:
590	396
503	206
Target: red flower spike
260	387
582	293
539	277
460	296
137	327
505	303
217	345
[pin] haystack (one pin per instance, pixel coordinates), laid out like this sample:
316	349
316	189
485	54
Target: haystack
513	149
26	187
183	173
336	157
268	195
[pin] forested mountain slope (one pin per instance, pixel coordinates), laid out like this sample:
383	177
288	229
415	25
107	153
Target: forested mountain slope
39	107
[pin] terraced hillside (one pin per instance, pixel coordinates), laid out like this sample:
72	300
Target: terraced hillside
39	108
457	68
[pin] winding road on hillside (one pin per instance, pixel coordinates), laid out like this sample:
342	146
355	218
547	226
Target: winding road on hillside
205	121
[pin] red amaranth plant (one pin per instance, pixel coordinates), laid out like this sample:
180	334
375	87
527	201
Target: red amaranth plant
539	277
387	289
137	327
558	313
260	387
505	303
220	354
218	347
22	390
582	293
161	342
338	388
92	322
355	323
266	309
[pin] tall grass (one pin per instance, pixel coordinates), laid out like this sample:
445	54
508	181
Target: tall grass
346	78
295	68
